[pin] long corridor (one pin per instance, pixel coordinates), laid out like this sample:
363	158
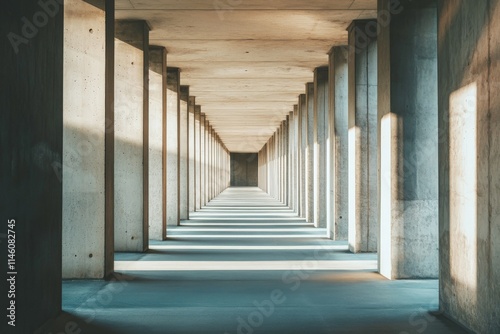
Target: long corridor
246	263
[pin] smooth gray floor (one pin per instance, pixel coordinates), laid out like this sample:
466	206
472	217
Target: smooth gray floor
246	228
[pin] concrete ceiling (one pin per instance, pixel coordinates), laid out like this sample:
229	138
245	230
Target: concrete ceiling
246	61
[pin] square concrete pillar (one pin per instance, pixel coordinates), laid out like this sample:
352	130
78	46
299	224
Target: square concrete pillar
363	213
203	161
31	150
197	157
184	154
87	247
302	111
408	143
469	162
310	156
297	159
172	149
339	156
321	156
157	132
291	159
192	154
131	136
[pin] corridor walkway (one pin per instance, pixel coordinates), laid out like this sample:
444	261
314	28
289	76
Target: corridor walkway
246	264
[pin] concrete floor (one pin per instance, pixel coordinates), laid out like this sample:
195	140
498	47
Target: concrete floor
245	264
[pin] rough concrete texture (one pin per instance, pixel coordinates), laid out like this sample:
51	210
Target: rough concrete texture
131	103
244	169
83	237
310	140
203	177
172	168
338	99
469	162
262	173
184	153
157	111
197	149
31	148
303	154
296	160
192	154
291	155
321	121
407	56
363	194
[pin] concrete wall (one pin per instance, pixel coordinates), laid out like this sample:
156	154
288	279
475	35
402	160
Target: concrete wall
338	100
172	161
469	162
84	189
157	113
31	127
244	170
131	135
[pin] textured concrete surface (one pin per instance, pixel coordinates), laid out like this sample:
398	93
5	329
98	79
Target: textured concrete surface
157	112
184	153
198	152
230	59
362	122
311	173
83	237
338	99
276	278
131	96
192	154
31	148
469	228
244	169
322	172
172	150
408	188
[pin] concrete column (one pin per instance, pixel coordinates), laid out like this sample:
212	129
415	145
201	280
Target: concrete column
31	141
157	114
184	154
286	160
203	162
321	156
296	161
469	162
197	157
291	161
310	156
131	136
339	134
303	156
172	168
84	237
363	226
209	160
408	134
192	155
